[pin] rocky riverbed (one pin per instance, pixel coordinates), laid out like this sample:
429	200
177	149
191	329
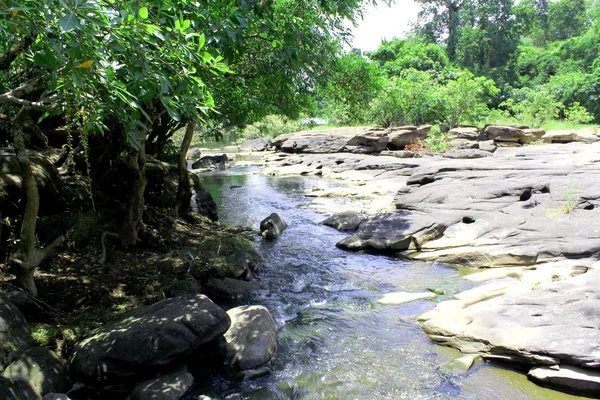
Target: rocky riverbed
525	216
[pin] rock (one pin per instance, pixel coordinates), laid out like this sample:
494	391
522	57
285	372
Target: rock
487	145
49	184
404	297
36	373
170	386
371	141
212	162
468	132
251	339
463	144
148	338
228	288
25	304
56	396
392	233
254	145
161	189
344	222
467	154
14	332
580	381
570	135
460	365
182	288
502	133
326	141
193	154
272	226
401	137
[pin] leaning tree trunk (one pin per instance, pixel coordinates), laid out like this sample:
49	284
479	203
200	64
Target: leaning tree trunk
25	257
135	162
184	191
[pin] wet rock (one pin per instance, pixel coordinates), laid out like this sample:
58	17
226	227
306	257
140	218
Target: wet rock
460	365
272	226
170	386
14	332
212	162
343	222
576	380
36	373
251	339
228	288
148	338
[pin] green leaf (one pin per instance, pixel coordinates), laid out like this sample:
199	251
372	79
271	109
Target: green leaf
69	23
201	41
186	24
143	13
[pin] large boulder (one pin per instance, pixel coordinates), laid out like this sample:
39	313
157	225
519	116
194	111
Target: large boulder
326	141
227	288
402	136
14	332
570	135
466	132
148	338
372	141
259	144
511	133
170	386
161	189
346	221
272	226
36	373
251	339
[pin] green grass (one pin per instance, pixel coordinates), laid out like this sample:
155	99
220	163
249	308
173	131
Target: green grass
550	125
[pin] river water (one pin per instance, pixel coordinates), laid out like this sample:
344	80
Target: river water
334	341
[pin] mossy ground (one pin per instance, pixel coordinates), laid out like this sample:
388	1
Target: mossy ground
78	294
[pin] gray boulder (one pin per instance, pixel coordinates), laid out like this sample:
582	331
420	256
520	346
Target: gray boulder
272	226
343	222
326	141
467	132
251	339
254	145
371	141
402	136
14	332
520	134
170	386
56	396
148	338
36	373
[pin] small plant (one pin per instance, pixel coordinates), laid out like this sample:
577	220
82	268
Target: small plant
418	146
571	200
577	114
83	229
437	141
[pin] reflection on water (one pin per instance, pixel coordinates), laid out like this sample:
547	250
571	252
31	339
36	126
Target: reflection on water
334	342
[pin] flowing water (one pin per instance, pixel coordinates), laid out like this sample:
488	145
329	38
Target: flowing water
334	341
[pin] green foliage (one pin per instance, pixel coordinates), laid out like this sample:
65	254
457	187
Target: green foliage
270	127
169	153
577	114
437	141
398	55
567	19
533	107
83	229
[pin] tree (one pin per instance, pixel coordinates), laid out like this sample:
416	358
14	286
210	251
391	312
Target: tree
396	55
567	19
440	19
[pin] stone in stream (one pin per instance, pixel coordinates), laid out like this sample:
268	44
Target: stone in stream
148	338
272	226
251	339
347	221
404	297
228	288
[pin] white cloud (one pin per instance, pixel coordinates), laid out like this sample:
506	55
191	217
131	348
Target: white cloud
383	22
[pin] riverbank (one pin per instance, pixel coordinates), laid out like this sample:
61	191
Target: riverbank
526	215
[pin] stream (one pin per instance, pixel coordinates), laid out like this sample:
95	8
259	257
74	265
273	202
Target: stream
334	341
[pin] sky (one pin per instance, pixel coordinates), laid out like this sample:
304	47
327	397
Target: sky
383	22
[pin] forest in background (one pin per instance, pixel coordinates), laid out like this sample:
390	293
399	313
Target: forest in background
469	62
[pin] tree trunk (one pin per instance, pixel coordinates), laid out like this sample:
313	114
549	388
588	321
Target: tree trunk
184	191
25	257
136	164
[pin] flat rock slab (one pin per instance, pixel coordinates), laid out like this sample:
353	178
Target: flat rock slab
557	323
148	338
404	297
568	378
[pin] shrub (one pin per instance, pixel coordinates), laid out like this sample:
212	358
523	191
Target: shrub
436	140
533	107
577	114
